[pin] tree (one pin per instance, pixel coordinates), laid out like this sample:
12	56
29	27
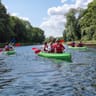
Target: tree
70	27
21	30
88	22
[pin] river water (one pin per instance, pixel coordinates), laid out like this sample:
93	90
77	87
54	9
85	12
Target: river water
26	74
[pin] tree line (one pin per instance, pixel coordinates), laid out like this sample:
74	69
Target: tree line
14	27
81	23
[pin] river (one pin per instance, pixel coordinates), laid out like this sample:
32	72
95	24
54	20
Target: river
26	74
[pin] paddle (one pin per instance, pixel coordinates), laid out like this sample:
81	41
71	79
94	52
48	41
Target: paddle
36	50
12	41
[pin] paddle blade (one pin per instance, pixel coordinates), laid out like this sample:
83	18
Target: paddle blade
37	51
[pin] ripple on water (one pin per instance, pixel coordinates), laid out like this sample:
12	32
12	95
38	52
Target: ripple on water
26	74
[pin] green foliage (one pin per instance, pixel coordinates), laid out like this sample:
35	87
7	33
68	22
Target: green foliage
71	31
81	27
21	30
88	22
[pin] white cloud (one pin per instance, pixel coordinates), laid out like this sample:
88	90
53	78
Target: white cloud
14	14
6	7
63	1
17	14
54	24
60	10
82	3
24	18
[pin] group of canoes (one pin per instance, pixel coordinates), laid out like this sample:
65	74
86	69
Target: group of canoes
57	50
78	46
73	44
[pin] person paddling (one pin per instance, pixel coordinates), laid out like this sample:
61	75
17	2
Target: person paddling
72	44
52	44
6	48
80	44
45	47
58	47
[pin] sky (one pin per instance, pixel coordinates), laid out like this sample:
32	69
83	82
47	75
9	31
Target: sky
45	14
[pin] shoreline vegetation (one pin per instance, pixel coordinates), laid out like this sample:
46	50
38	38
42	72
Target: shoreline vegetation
91	43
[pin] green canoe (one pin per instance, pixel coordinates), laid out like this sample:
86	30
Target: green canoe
10	52
78	48
60	56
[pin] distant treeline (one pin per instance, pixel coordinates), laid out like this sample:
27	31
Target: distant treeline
14	27
81	23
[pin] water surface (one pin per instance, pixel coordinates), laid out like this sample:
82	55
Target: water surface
26	74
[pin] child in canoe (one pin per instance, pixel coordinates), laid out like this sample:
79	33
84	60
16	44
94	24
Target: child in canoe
80	44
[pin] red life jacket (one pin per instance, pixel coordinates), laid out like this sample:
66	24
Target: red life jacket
7	48
80	45
72	44
52	48
59	48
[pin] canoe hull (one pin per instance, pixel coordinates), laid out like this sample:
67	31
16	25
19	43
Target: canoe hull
78	48
10	52
60	56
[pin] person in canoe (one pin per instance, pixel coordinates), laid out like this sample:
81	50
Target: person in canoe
11	46
8	47
51	46
45	47
80	44
73	44
58	47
